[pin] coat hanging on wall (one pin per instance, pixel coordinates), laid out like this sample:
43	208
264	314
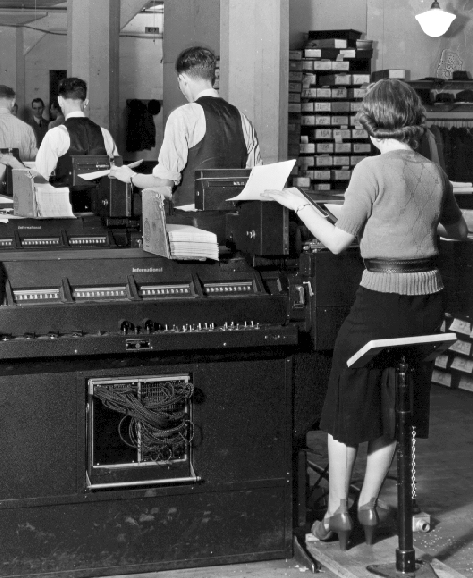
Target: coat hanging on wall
140	127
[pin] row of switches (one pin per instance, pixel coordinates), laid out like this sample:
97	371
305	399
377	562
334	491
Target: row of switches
126	327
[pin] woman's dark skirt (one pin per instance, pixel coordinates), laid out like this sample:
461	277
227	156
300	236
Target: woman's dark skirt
352	411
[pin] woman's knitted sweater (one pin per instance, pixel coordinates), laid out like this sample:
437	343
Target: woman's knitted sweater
394	203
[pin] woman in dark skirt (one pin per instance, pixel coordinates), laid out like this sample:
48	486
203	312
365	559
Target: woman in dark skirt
396	204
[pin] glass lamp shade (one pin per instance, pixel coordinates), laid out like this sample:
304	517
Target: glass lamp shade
435	21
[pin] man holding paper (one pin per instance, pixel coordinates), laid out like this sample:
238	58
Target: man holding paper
207	133
77	136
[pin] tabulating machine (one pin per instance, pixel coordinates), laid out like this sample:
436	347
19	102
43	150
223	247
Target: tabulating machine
148	406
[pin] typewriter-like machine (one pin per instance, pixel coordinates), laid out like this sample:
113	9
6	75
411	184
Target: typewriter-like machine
148	407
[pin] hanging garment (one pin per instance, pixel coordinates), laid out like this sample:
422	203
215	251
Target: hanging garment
140	127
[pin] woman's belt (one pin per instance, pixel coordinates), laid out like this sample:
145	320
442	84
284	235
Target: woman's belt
401	265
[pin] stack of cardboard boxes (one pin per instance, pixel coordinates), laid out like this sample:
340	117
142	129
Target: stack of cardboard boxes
327	81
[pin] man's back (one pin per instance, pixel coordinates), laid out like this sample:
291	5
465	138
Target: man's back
14	133
85	138
222	146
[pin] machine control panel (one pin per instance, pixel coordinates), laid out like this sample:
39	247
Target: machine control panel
134	339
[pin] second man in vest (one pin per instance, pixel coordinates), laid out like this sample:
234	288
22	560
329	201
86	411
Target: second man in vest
207	133
77	136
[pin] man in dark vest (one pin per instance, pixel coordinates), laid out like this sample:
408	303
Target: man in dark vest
207	133
77	136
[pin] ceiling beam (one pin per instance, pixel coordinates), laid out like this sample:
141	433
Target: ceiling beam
129	9
19	17
32	5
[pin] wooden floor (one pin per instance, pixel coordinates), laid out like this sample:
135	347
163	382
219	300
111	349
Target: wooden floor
444	481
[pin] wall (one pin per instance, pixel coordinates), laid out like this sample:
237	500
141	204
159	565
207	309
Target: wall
8	58
395	50
50	53
43	52
392	26
254	68
305	15
187	22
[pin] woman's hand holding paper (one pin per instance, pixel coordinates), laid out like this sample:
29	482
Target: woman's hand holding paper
291	198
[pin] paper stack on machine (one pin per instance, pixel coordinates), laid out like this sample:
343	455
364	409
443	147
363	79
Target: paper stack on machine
174	241
188	242
34	197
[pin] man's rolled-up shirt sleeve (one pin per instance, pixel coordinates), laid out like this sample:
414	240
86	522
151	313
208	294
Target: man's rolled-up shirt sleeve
109	143
251	142
173	154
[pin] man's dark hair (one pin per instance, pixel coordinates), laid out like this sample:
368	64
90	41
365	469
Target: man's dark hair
198	63
38	101
7	92
73	89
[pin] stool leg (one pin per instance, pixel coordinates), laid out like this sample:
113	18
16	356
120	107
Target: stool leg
405	554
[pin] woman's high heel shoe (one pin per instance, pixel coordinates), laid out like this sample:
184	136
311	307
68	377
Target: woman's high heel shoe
370	516
340	524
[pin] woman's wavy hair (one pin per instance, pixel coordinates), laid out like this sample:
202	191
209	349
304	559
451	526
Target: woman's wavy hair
393	109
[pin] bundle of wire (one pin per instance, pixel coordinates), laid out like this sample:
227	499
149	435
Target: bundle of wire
158	423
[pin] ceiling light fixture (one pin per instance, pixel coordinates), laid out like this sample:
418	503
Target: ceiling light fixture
435	21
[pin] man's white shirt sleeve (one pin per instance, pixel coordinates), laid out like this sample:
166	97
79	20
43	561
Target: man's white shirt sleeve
56	143
184	128
109	143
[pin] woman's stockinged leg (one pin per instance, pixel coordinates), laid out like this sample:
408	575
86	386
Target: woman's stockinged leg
337	520
341	461
379	458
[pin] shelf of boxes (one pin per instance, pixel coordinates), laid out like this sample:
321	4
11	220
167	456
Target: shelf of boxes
331	91
294	106
454	367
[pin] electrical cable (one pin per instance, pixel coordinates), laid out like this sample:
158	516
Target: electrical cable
158	418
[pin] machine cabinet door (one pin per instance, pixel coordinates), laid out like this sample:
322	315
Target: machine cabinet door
38	435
